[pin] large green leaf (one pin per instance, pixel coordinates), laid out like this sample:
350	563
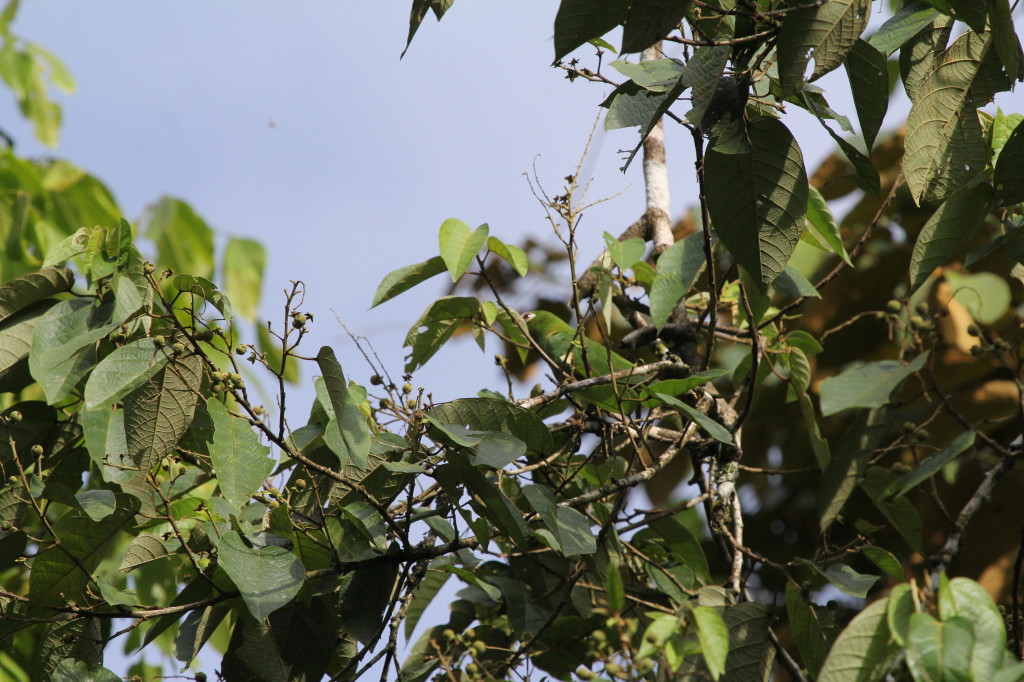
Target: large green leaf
490	414
933	464
807	630
678	268
1005	36
460	245
244	260
824	33
648	21
63	344
159	412
435	326
757	200
60	574
869	85
204	288
847	463
1009	173
948	229
969	600
939	650
909	20
405	278
346	432
183	240
124	370
945	146
268	577
239	459
713	635
864	650
867	385
578	21
15	343
18	293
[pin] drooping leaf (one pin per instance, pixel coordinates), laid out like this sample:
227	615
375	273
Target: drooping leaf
945	146
63	344
869	84
713	635
239	459
847	580
867	385
18	293
648	21
511	254
824	33
909	20
488	501
1009	173
632	105
460	245
820	219
678	268
967	599
124	370
346	432
268	578
758	200
1005	37
847	463
949	228
405	278
435	326
159	411
578	21
884	560
15	343
901	514
807	630
933	464
713	428
244	260
489	414
863	651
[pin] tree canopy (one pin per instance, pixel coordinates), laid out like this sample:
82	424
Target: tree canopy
774	438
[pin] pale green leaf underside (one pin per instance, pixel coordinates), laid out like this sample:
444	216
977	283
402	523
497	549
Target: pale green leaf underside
867	385
239	459
268	578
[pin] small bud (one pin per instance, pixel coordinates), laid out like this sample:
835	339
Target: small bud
159	341
973	330
976	350
500	360
376	380
407	388
6	526
274	504
240	350
149	268
921	436
200	676
919	323
300	484
14	416
12	480
237	378
178	348
411	403
299	321
921	308
893	307
37	450
480	647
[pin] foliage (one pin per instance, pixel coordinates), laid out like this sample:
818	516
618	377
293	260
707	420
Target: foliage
786	362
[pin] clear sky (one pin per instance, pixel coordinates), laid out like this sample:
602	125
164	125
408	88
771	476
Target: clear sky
296	123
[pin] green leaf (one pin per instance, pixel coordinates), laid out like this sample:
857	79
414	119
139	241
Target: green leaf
804	341
971	13
867	385
847	580
244	260
513	255
945	146
819	445
884	560
1009	173
824	33
489	414
142	550
865	174
899	512
268	578
968	600
159	412
123	371
15	343
239	459
624	254
656	75
569	527
986	295
204	288
799	372
97	504
435	326
648	21
70	670
195	630
579	21
823	225
490	503
758	200
847	464
497	450
713	428
419	10
183	240
939	651
12	547
1003	34
792	284
713	636
933	464
346	433
460	245
678	268
632	105
18	293
405	278
869	86
898	611
63	345
807	630
431	583
949	228
863	651
60	574
909	20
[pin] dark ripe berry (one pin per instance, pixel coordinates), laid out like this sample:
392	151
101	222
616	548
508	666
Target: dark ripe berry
376	380
973	330
205	335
